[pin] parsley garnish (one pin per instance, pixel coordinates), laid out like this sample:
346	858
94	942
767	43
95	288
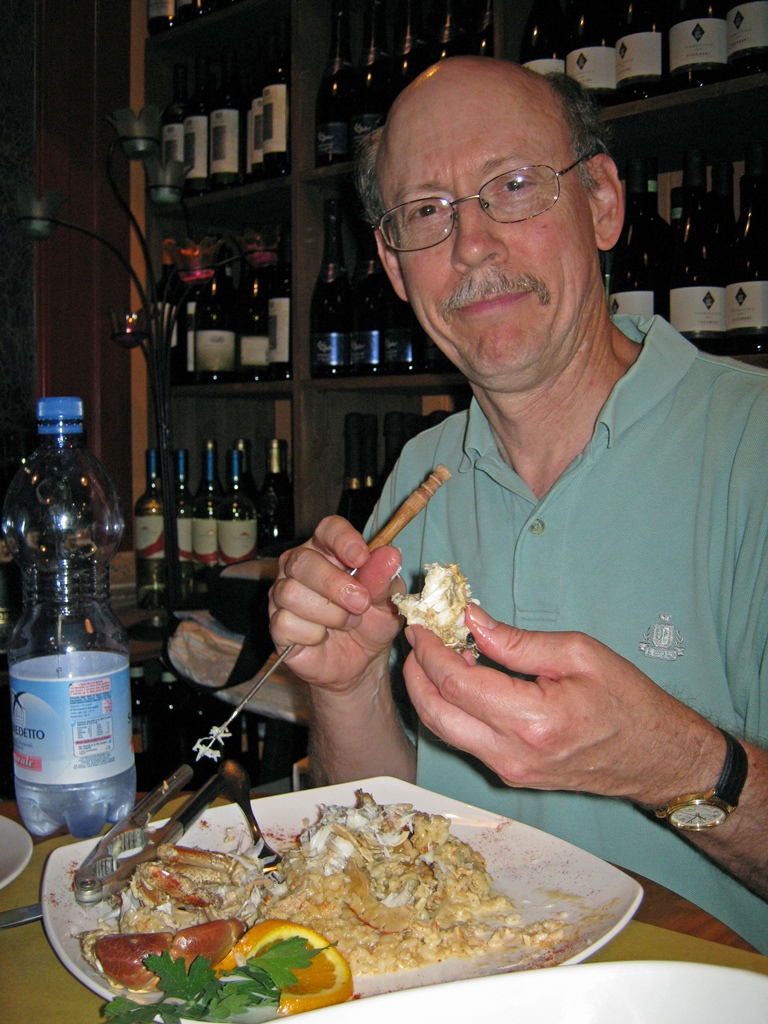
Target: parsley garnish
197	994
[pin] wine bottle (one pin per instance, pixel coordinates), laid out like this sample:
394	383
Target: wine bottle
746	293
279	315
247	481
149	539
275	117
697	43
184	502
335	95
330	307
641	57
484	45
172	121
171	298
215	338
591	50
235	518
161	15
370	95
254	159
204	514
253	314
676	211
369	463
225	164
394	439
544	43
449	37
720	209
352	503
188	10
370	298
746	42
410	51
196	132
697	292
275	505
403	339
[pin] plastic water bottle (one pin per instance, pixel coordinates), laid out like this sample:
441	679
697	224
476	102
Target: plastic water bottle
68	653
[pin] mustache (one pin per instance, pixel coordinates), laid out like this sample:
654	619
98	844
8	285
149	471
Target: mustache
489	283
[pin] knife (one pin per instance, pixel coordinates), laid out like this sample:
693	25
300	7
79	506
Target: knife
20	915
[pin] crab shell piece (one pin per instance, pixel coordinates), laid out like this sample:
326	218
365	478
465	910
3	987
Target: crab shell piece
440	606
192	878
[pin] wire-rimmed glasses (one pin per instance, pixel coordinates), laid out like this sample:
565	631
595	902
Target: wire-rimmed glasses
516	195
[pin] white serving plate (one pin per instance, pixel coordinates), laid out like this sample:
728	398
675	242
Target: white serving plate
545	876
15	850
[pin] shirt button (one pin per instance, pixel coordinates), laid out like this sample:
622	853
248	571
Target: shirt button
537	526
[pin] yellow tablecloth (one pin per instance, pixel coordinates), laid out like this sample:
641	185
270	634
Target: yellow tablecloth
37	988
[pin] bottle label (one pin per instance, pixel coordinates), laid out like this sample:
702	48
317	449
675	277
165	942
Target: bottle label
225	141
172	138
747	29
149	537
398	346
332	139
71	717
256	147
638	56
545	66
697	43
746	306
364	348
184	534
196	146
329	348
204	541
698	310
253	350
279	330
275	119
191	309
236	540
593	67
638	303
362	125
214	350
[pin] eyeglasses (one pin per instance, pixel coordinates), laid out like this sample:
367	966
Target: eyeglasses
516	195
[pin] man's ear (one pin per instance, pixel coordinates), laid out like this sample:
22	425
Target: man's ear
391	263
607	201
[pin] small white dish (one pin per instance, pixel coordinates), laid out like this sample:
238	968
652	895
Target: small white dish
15	850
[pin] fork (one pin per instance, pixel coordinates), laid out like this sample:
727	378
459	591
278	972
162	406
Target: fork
238	786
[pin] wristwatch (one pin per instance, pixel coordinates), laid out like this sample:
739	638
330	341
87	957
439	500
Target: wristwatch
696	811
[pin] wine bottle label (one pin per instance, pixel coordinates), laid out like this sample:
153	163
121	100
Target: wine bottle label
747	29
362	125
196	146
172	142
638	303
71	716
256	129
329	348
593	67
204	543
236	540
698	311
160	9
254	349
746	306
149	537
332	139
184	535
275	119
225	141
697	43
279	311
364	348
638	56
398	346
545	66
214	350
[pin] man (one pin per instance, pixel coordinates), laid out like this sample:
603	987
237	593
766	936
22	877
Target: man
608	498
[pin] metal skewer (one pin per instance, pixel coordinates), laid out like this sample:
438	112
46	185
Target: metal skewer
410	508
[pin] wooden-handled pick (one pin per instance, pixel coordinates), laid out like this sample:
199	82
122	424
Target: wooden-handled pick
410	508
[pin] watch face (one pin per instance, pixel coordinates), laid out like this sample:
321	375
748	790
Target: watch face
697	815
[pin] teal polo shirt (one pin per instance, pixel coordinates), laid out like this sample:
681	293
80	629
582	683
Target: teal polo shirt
653	541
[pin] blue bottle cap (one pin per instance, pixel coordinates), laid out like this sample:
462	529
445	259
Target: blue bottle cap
54	414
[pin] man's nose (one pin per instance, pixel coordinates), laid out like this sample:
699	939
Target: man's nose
477	238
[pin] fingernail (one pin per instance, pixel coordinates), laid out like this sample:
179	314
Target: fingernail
481	617
354	552
409	635
355	599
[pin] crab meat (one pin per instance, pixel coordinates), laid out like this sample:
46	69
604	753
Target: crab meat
440	606
191	878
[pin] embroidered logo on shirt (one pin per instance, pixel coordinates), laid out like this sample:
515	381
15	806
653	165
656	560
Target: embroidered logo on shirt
662	640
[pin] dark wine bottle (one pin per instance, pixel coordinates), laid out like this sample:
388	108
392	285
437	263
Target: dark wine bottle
184	502
331	304
370	96
746	292
204	514
335	95
215	337
254	148
225	131
697	43
253	314
394	439
171	298
544	43
404	350
697	292
275	114
641	49
247	480
188	10
591	38
410	51
352	503
279	314
370	298
369	463
485	45
449	36
196	132
676	211
235	518
172	121
720	209
149	539
747	38
161	15
275	505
